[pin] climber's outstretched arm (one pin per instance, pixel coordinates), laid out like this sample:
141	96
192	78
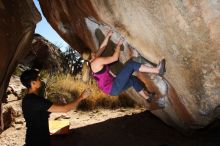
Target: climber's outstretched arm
104	43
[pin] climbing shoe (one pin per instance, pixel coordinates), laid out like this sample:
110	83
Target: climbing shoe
162	68
151	97
161	102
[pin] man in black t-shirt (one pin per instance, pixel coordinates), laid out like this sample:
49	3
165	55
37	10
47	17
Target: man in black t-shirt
36	109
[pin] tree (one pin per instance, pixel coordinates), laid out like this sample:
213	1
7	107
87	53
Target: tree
74	60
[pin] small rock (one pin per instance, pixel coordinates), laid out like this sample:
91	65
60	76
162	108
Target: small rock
19	121
18	126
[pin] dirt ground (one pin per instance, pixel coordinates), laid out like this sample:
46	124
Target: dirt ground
15	136
120	127
136	129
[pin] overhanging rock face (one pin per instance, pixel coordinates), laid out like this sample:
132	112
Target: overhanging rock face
17	24
186	33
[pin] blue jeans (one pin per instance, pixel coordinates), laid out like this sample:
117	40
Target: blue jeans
125	79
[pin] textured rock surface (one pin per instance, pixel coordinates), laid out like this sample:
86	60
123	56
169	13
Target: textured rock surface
17	24
45	55
185	32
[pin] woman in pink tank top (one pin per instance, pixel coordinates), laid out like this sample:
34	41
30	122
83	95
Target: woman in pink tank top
124	79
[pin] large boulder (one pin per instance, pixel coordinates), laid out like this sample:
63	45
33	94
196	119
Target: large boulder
17	24
184	32
18	21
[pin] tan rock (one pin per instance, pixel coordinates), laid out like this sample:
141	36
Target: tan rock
17	24
186	33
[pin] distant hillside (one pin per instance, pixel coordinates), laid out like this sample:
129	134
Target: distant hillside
45	55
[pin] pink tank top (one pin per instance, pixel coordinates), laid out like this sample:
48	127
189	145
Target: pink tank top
104	79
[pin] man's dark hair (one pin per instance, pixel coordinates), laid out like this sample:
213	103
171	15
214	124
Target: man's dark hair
29	75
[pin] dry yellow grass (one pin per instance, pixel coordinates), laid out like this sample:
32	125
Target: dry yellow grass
66	88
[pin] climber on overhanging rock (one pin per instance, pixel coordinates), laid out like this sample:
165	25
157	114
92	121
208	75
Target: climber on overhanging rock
115	85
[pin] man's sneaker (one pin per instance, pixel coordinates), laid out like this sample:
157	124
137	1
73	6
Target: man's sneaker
151	97
162	67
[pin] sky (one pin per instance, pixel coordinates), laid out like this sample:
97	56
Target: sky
43	28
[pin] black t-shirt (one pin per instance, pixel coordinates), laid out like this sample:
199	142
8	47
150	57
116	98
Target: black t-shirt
35	112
